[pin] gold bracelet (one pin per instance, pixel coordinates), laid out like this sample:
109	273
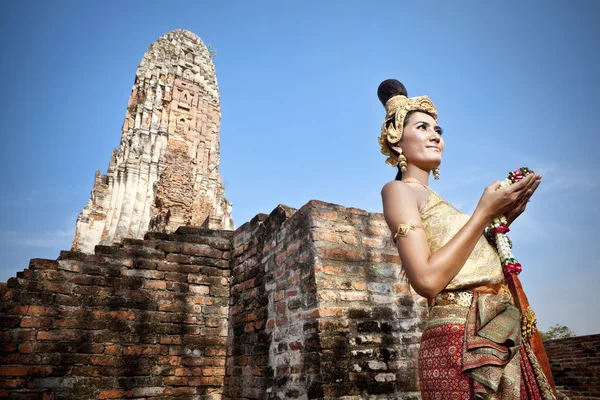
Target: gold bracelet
403	230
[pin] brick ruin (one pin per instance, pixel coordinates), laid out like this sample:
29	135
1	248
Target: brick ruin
297	304
165	173
576	365
304	303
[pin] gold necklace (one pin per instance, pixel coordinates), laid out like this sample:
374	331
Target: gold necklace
414	181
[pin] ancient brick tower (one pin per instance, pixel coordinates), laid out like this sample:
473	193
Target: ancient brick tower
165	173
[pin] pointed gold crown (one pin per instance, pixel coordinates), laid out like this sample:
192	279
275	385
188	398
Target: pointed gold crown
396	109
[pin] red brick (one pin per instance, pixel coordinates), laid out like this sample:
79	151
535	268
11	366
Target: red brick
201	300
12	383
176	381
62	335
215	352
176	308
311	314
25	348
202	250
358	285
213	371
326	236
330	312
281	306
155	285
183	372
170	247
105	360
112	349
279	295
32	310
170	340
340	254
25	371
206	381
329	270
295	345
34	322
63	288
111	394
141	350
145	392
200	289
179	391
169	360
118	315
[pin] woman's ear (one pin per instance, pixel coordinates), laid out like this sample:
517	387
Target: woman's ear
395	147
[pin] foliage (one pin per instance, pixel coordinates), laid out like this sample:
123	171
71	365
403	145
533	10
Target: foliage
557	332
211	51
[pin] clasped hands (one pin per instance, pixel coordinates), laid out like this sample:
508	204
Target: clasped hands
510	201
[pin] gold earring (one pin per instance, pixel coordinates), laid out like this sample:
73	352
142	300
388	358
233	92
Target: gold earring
436	173
402	160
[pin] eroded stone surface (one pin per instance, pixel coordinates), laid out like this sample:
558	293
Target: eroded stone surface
165	173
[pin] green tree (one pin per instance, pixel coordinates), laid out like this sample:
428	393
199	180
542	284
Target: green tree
557	332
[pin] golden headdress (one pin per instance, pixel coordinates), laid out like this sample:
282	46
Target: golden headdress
396	109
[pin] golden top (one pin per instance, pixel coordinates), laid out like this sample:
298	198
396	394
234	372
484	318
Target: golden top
397	107
441	221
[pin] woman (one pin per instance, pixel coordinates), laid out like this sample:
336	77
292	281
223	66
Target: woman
473	345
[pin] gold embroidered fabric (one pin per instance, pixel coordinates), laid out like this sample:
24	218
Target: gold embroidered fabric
461	298
528	324
441	221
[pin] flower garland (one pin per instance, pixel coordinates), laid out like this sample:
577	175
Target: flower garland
499	228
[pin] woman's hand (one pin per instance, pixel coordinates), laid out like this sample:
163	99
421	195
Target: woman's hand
513	213
496	201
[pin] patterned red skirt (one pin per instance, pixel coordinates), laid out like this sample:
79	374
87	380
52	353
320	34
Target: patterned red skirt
476	352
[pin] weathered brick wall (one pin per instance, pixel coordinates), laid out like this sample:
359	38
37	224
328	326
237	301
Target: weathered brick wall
318	308
147	319
295	304
575	365
370	321
273	345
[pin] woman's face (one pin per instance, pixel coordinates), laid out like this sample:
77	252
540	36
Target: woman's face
421	142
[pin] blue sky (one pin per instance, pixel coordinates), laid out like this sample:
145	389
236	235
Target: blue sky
515	83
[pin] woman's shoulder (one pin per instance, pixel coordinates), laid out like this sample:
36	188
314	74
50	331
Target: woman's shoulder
395	187
398	191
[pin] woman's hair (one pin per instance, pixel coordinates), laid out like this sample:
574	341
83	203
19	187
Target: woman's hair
386	90
390	88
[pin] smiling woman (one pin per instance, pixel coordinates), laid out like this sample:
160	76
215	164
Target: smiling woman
473	346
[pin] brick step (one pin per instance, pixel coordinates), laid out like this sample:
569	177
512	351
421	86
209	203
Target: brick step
127	252
42	263
217	242
214	248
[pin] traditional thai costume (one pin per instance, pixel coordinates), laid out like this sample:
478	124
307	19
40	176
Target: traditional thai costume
480	340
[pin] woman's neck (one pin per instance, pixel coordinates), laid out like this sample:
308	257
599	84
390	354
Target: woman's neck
414	173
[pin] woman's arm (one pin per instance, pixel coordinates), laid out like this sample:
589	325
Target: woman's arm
429	273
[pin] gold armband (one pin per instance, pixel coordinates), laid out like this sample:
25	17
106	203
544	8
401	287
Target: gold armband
403	230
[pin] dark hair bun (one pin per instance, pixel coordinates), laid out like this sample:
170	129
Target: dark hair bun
390	88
